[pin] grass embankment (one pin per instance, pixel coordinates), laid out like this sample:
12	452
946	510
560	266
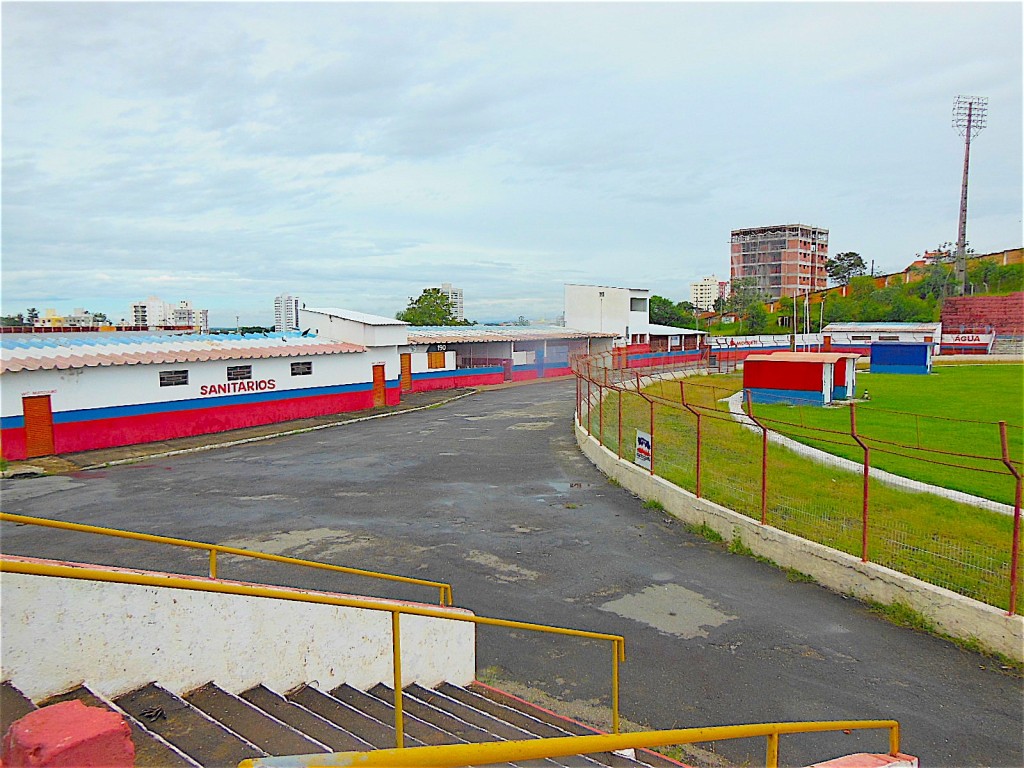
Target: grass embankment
919	411
953	545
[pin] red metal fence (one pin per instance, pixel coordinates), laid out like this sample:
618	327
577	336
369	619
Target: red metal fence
708	438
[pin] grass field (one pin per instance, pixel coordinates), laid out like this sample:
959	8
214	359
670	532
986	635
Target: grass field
941	422
954	545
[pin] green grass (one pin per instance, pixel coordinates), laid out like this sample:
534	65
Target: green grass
957	546
917	411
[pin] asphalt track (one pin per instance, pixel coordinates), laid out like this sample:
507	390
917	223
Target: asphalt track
490	493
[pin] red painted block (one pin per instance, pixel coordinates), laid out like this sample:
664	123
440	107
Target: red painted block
69	735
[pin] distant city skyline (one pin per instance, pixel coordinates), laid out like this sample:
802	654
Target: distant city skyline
358	152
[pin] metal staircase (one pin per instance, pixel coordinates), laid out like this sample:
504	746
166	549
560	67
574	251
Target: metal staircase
212	727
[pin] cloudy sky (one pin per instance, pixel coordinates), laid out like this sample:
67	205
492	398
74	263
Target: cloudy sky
353	154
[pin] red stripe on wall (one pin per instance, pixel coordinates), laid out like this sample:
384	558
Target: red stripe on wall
12	443
771	374
129	430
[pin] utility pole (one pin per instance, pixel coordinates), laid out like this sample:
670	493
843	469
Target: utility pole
969	118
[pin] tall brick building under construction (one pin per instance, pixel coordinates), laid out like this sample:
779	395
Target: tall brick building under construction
785	259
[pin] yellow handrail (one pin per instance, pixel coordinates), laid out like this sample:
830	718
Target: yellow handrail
283	593
445	589
456	755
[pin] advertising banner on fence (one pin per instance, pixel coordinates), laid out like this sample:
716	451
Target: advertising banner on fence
643	450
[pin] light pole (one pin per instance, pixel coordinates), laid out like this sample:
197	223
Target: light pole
969	115
600	295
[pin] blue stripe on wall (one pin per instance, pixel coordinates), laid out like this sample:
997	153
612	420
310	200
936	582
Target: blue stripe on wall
901	369
248	398
791	396
452	372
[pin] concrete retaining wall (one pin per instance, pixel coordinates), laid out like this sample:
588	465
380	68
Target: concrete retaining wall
57	633
950	612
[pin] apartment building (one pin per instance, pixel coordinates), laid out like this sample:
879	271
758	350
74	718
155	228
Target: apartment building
286	313
454	295
705	292
783	259
154	312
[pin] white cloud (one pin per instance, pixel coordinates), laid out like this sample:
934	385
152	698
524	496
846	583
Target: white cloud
354	154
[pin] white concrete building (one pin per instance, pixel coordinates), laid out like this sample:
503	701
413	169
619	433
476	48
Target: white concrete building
286	313
154	312
705	292
454	295
603	309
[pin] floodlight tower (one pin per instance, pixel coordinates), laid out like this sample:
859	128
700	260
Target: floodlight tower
969	114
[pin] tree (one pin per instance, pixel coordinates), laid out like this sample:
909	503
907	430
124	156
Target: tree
844	266
665	312
745	291
431	308
720	304
13	320
32	315
757	318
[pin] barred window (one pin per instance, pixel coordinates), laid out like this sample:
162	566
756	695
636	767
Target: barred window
304	368
173	378
435	360
239	372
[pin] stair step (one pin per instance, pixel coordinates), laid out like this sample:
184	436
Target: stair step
151	750
14	705
252	723
365	726
502	729
193	732
423	732
455	730
566	726
413	705
302	719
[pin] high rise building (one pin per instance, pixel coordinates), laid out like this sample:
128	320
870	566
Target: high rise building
155	312
454	295
705	292
286	313
783	260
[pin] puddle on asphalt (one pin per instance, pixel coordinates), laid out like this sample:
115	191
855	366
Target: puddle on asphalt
566	487
672	609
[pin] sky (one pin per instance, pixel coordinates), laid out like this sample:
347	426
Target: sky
355	154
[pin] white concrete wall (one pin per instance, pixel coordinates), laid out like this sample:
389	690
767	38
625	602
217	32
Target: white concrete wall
57	633
116	385
328	326
585	310
419	362
951	613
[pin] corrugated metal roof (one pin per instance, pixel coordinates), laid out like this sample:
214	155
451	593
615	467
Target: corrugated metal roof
63	352
451	334
357	317
881	328
803	357
670	330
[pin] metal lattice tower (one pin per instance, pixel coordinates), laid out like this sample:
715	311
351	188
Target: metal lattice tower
969	116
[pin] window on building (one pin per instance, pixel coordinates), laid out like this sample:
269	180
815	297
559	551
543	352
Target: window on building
435	360
239	372
888	338
638	305
304	368
860	338
173	378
